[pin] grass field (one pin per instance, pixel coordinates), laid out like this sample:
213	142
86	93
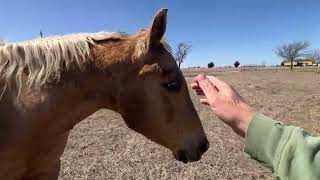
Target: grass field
102	147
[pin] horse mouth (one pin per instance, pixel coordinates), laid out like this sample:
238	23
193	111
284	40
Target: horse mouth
185	157
191	156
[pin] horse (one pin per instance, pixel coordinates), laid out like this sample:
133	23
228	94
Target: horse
48	85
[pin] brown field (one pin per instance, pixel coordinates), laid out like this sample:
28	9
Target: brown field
102	147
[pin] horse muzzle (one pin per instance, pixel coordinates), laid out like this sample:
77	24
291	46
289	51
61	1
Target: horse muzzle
194	154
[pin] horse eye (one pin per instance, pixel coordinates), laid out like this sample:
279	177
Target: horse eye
172	86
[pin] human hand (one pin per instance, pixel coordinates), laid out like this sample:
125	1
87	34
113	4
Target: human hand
225	102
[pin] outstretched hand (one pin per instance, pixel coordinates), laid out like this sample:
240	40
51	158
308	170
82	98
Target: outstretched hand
225	102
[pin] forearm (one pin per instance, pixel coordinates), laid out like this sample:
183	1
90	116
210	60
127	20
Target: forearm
289	151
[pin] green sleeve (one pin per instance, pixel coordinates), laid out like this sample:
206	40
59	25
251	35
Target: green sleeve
289	151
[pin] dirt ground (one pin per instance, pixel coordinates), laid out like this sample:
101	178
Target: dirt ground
102	147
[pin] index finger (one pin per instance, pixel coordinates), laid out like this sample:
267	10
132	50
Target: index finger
207	87
219	84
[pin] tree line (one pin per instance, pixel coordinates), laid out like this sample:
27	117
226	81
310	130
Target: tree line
289	52
182	51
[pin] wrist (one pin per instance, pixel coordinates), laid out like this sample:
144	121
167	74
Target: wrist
244	120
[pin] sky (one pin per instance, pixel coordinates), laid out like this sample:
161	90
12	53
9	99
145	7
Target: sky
221	31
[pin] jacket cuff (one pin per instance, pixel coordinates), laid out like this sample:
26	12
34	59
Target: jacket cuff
262	139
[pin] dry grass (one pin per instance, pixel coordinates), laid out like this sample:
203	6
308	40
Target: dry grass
102	147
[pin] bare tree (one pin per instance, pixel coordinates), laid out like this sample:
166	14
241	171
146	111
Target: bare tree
315	55
293	51
183	49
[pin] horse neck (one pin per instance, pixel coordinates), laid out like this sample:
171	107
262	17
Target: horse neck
76	96
91	86
93	89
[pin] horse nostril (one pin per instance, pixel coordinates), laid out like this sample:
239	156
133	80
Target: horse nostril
204	146
182	156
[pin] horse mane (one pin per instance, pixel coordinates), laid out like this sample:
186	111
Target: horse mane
45	58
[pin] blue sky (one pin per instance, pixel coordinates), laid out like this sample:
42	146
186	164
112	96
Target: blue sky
221	31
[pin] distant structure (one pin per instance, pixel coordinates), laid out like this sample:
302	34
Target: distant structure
300	62
41	34
252	66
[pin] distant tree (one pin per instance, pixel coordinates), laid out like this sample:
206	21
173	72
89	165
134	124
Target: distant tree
292	51
183	49
210	65
314	55
236	64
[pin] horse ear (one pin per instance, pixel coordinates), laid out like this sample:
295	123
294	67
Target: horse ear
158	27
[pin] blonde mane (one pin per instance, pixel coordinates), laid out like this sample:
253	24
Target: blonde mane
45	57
